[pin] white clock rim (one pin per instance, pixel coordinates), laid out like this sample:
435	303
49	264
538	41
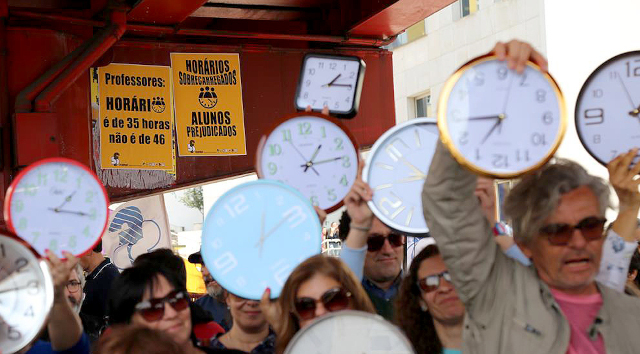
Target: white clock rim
46	272
348	314
33	166
274	291
355	104
410	231
446	139
265	136
586	83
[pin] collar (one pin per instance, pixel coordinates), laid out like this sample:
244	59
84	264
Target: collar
99	269
386	294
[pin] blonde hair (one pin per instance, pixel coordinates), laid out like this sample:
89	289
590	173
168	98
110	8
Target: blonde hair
328	266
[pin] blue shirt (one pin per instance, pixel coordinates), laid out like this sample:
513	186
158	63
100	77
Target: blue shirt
217	309
355	258
42	347
267	346
451	351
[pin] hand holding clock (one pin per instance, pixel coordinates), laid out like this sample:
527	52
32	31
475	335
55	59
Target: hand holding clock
356	203
516	53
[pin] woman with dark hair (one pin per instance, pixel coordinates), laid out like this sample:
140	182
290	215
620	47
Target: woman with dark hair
154	297
428	308
319	285
132	339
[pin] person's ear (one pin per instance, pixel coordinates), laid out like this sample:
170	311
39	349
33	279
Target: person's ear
632	275
423	305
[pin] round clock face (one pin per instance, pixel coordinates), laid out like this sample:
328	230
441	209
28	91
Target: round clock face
313	154
349	332
26	295
332	81
608	108
57	204
256	234
500	123
397	167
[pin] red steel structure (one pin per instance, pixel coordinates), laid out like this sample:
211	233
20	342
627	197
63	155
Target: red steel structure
48	46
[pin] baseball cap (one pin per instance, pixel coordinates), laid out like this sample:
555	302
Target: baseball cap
195	258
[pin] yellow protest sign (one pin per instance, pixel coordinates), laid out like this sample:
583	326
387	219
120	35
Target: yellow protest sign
208	101
135	117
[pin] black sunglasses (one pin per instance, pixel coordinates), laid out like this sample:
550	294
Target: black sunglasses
153	309
432	282
335	299
591	228
376	241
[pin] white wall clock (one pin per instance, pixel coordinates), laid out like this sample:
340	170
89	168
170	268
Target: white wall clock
608	108
57	204
314	153
350	331
256	234
396	169
499	123
330	80
26	294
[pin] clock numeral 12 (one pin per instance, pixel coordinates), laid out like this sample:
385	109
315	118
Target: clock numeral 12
304	128
239	206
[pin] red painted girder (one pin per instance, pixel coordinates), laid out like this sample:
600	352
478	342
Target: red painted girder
163	12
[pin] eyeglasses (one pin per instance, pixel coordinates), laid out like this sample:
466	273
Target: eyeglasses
432	282
73	286
375	242
560	234
335	299
153	309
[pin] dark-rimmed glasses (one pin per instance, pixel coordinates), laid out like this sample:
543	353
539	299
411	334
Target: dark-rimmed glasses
153	309
73	286
376	241
560	234
335	299
432	282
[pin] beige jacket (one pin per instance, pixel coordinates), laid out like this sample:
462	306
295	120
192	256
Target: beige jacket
509	309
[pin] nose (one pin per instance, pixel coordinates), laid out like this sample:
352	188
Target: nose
386	246
320	309
577	240
445	286
169	311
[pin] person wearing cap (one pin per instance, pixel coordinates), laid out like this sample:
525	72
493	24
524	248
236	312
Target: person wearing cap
213	302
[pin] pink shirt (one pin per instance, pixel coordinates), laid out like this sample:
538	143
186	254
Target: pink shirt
581	312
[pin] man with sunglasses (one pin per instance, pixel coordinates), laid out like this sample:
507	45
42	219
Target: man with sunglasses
557	214
213	302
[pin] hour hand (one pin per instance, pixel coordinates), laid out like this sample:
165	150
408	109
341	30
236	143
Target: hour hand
68	211
416	171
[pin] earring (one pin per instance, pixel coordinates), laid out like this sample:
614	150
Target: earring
423	306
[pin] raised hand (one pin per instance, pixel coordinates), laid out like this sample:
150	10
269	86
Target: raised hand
272	311
516	53
622	177
60	270
357	198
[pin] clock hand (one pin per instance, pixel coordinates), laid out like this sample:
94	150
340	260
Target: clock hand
492	129
262	238
332	81
299	153
411	179
342	85
310	163
324	161
484	118
13	289
66	200
506	99
68	211
628	95
273	229
416	171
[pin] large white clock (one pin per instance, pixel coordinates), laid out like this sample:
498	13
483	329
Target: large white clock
499	123
26	294
57	204
333	81
608	108
396	170
314	154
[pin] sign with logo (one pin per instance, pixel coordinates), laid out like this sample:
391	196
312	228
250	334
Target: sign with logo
208	102
135	118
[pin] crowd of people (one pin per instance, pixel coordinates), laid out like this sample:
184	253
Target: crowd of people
564	283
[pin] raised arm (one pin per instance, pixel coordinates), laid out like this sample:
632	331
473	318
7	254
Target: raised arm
621	177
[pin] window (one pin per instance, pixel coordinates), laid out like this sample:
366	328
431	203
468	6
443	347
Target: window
423	106
462	8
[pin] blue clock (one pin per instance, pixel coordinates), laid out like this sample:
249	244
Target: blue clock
256	234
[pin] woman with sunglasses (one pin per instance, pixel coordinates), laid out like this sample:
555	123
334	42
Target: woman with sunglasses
428	308
319	285
153	297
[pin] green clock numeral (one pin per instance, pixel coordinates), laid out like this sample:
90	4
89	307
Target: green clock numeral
79	180
42	179
314	200
275	149
85	231
30	189
343	180
36	235
92	213
286	135
272	168
17	206
345	162
304	128
324	134
22	224
331	194
338	142
60	175
89	197
53	245
72	241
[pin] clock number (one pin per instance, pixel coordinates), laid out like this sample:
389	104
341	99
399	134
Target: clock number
613	75
85	231
312	71
13	333
336	105
295	216
22	224
272	168
72	241
392	151
42	179
464	138
225	263
462	95
456	116
541	95
331	195
338	142
53	245
30	189
345	162
305	95
239	206
92	213
538	139
395	206
314	200
321	65
597	139
478	79
281	271
35	235
343	180
286	135
522	155
500	161
307	83
33	287
636	70
79	180
325	103
29	312
333	66
89	197
523	81
275	149
304	128
547	118
478	154
347	99
502	73
60	175
597	93
21	263
17	206
594	116
324	133
352	74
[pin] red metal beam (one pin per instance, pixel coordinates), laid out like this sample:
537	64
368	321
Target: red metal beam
5	121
